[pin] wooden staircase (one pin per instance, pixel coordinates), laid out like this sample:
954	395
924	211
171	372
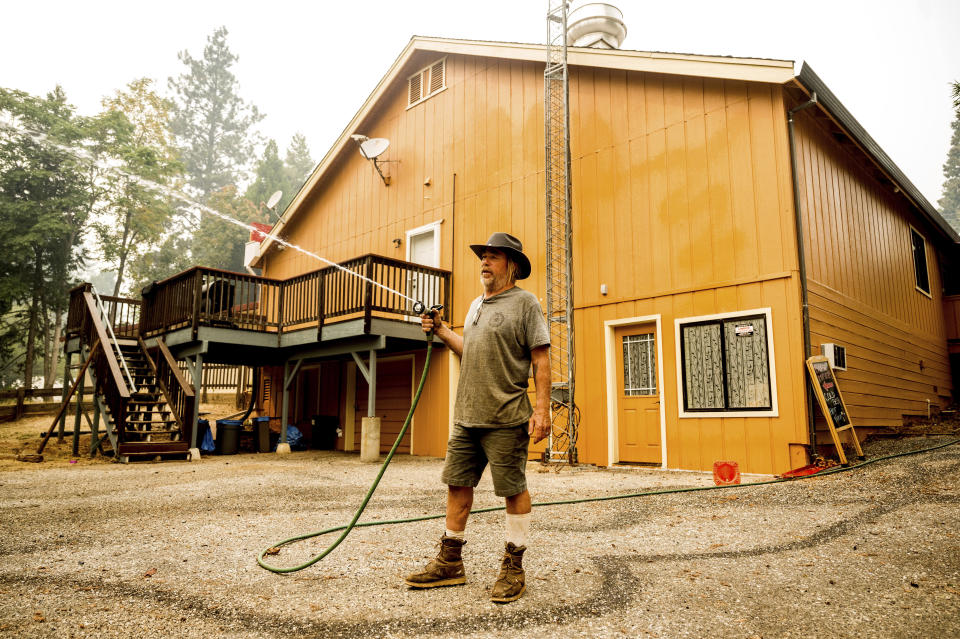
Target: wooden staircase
150	426
140	392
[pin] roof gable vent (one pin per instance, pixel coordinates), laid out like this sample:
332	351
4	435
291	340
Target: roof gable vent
426	82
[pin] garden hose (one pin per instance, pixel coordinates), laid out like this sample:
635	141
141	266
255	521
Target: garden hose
345	530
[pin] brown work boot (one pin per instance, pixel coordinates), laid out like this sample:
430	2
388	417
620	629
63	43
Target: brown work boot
510	583
445	570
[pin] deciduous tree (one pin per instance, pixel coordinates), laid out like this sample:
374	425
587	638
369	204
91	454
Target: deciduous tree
138	213
46	198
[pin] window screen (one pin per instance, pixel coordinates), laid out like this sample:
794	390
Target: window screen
725	364
920	261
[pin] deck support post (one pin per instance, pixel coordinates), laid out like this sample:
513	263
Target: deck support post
196	374
288	376
369	425
95	430
66	389
76	421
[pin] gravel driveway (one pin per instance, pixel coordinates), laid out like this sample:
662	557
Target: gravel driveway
168	549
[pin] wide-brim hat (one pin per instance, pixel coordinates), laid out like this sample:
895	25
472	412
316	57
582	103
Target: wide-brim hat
509	245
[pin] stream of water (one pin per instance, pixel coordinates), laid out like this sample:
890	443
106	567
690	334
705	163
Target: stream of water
86	156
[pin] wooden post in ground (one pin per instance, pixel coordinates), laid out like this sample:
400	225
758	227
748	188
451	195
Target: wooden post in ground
63	408
197	371
66	386
95	429
18	409
76	421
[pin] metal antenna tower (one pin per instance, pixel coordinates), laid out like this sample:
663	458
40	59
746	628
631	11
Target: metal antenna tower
562	445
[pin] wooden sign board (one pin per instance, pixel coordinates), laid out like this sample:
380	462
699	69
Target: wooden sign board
831	403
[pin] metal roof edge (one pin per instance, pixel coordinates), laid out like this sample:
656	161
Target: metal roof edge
812	82
710	66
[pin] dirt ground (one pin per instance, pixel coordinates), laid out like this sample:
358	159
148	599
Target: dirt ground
24	436
97	549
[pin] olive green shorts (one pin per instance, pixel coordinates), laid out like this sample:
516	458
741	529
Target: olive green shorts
470	449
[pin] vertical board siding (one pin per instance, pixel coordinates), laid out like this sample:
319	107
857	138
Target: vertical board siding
679	198
862	286
694	195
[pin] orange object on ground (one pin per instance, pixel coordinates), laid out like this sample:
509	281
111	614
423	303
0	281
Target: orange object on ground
726	473
811	469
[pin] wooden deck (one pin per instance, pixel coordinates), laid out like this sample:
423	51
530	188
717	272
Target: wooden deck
237	318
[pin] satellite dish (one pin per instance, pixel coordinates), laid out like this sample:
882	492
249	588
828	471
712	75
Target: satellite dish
373	147
272	202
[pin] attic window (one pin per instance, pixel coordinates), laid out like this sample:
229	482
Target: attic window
426	82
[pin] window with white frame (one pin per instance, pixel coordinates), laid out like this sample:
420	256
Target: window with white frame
725	364
921	277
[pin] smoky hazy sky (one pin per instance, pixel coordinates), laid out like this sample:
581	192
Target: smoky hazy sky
310	66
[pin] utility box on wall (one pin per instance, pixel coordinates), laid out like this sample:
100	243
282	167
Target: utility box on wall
836	354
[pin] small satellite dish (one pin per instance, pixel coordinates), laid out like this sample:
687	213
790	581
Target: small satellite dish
272	202
373	147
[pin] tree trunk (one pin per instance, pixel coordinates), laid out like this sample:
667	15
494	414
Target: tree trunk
32	322
53	362
44	331
125	243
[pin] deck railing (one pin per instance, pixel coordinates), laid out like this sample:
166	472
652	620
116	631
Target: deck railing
211	297
105	362
124	313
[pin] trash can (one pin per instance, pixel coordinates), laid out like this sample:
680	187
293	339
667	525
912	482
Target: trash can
324	432
261	430
228	436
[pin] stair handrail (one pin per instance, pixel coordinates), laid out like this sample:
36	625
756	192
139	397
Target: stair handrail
181	398
108	322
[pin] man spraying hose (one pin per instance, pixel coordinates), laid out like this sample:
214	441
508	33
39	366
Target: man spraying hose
504	334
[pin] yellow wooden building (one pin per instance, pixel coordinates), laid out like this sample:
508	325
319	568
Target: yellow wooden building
689	186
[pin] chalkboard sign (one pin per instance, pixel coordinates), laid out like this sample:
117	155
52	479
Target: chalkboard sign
827	391
831	403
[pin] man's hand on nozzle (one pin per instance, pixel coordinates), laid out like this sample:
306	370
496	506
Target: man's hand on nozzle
430	321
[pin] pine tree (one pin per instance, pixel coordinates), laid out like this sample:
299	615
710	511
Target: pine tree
213	125
218	243
299	163
288	176
950	202
271	176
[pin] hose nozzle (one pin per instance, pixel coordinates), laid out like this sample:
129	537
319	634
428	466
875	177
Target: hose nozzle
421	309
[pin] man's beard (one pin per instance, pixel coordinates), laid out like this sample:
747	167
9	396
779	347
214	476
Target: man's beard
494	283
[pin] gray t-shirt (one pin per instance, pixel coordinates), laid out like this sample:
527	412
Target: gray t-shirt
498	335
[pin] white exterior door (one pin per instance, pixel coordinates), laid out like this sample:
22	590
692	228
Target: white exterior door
423	247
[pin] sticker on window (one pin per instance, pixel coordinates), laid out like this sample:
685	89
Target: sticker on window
743	330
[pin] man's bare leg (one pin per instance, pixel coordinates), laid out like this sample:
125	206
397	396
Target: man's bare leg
459	503
517	504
